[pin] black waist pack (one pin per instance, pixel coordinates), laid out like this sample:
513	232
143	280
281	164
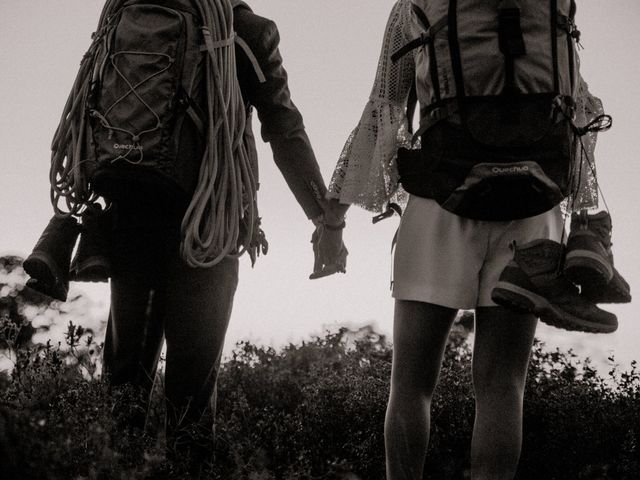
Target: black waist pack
504	161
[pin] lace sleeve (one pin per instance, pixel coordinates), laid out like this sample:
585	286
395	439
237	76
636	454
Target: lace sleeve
588	107
366	173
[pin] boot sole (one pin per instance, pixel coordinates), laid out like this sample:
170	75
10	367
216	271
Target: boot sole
525	301
46	275
42	267
42	292
94	269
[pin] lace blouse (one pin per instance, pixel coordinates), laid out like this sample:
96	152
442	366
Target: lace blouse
366	173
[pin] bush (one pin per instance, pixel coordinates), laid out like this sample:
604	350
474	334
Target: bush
316	411
578	424
308	411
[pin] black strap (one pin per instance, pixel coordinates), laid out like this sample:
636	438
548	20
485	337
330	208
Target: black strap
571	55
554	45
567	23
252	58
239	42
433	64
454	48
412	102
421	16
511	40
389	211
437	114
424	39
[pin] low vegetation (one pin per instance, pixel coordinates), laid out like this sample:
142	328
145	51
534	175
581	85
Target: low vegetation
313	410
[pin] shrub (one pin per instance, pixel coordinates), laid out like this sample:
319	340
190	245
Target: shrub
308	411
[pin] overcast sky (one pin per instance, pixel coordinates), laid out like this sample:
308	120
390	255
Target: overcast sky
330	50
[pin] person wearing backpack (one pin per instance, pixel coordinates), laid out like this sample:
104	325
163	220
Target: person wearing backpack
502	110
178	180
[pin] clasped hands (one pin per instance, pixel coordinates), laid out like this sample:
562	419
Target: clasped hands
330	253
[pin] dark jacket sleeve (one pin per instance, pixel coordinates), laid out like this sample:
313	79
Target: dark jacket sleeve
281	122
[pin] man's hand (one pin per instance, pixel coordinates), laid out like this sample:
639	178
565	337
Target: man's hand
330	253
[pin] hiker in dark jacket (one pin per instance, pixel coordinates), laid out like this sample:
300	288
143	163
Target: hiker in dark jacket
155	295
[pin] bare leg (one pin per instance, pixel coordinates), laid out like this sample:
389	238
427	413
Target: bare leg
420	335
501	354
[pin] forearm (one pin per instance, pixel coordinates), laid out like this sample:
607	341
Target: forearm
296	161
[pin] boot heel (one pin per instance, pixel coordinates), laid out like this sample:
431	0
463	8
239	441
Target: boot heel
587	261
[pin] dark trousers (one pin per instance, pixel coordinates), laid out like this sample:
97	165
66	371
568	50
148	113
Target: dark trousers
155	295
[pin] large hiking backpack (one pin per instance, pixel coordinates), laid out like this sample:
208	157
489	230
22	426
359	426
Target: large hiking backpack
159	108
496	81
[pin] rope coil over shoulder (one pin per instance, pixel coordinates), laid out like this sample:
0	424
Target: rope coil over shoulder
222	218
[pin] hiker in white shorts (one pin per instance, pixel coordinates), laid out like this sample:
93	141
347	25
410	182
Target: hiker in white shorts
443	263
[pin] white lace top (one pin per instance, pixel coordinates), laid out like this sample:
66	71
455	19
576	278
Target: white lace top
366	173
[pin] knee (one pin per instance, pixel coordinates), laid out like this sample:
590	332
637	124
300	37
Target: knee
498	387
408	381
412	389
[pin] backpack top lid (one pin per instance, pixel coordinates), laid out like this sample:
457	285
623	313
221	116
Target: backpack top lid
436	9
467	42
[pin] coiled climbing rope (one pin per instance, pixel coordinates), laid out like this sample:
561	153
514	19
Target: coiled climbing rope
226	192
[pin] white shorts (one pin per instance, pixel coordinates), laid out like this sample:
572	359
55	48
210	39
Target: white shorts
444	259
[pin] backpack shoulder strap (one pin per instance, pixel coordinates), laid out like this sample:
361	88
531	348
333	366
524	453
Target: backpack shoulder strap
239	4
252	58
412	102
240	43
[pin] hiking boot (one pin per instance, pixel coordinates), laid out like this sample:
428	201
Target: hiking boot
589	261
48	264
91	262
533	282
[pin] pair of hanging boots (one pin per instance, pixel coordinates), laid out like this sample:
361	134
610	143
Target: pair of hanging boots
544	276
50	265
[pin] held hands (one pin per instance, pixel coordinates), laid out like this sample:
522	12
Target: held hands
330	253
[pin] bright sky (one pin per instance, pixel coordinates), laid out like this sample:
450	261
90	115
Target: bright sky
330	50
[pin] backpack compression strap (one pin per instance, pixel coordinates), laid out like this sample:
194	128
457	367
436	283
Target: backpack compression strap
237	4
425	38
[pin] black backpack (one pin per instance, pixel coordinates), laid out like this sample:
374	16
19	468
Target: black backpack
163	114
